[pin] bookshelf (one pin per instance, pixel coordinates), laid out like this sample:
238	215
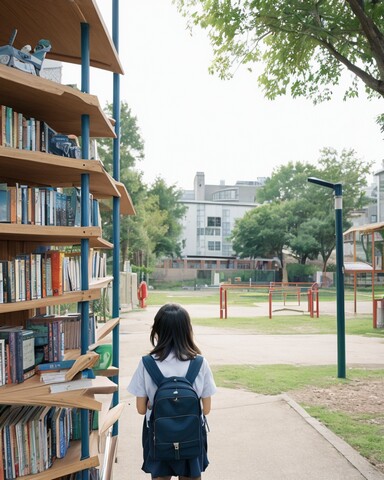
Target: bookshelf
78	34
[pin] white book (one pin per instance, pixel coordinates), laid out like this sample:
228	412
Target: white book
81	384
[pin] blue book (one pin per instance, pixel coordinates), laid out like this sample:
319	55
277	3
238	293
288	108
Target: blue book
61	365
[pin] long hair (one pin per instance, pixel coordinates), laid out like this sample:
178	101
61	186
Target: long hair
172	331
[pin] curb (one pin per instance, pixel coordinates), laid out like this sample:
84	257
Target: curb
366	469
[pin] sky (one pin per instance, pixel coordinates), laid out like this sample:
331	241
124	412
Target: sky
192	121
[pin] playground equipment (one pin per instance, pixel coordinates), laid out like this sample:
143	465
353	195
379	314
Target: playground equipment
281	290
284	290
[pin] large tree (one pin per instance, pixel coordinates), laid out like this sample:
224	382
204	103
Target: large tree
302	214
155	229
303	46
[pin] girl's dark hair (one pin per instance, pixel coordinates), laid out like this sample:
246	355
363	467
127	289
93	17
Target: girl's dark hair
172	331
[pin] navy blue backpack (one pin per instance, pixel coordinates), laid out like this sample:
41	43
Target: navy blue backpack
176	424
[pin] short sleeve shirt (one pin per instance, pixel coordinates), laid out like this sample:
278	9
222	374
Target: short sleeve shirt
142	384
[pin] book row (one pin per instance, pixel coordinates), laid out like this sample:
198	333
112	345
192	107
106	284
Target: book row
41	346
33	437
28	133
44	274
32	276
48	206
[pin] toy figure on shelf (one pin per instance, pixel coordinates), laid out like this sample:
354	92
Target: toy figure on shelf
24	59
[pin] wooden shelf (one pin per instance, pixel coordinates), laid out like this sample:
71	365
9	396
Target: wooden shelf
38	168
48	234
126	205
70	297
35	392
107	328
71	463
109	372
59	22
58	105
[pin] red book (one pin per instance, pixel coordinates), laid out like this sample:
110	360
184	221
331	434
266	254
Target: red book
57	271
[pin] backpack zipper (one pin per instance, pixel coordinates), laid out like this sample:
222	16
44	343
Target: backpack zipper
176	446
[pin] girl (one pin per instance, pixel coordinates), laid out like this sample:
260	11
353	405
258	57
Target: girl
174	347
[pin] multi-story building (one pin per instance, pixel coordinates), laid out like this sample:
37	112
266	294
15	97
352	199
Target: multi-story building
212	211
207	255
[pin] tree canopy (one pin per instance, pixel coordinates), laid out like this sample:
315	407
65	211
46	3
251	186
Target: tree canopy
303	46
154	230
299	216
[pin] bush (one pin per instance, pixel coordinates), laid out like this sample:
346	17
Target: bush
301	273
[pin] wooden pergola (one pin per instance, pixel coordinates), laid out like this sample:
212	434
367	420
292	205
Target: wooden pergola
369	239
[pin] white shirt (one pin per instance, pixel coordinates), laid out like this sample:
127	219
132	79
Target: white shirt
142	384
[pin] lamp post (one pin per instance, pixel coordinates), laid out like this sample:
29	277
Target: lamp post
338	191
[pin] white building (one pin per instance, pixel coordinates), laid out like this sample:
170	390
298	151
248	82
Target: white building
211	215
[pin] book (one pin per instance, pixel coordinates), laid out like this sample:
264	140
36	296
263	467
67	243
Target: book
2	363
54	366
4	203
56	271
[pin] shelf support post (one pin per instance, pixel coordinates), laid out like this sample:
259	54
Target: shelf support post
116	211
85	125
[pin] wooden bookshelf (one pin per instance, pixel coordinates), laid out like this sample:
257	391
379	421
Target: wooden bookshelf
63	108
38	168
58	105
59	22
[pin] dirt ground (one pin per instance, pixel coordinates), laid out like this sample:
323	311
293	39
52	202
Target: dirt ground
356	397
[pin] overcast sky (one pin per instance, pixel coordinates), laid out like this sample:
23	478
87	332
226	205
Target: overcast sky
192	121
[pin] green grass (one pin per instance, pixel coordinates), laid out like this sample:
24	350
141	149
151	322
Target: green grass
293	325
275	379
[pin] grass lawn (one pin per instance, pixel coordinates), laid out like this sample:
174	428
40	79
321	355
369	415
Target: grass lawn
275	379
294	325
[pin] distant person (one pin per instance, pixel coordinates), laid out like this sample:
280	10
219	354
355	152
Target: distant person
175	353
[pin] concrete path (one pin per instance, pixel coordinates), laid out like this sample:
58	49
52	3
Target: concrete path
252	436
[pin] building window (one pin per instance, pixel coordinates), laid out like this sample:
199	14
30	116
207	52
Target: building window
214	221
214	246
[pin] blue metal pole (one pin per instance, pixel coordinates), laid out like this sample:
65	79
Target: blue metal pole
85	127
116	210
341	362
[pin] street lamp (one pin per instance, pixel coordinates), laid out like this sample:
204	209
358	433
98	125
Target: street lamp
338	191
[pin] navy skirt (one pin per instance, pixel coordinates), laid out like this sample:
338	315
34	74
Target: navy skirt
186	468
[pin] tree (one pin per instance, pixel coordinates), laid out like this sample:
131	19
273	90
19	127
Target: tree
131	152
155	229
307	220
303	45
261	232
168	202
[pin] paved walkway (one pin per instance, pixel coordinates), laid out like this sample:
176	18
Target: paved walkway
252	436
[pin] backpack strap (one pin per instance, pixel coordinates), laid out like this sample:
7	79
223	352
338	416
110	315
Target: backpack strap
152	368
154	371
194	368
